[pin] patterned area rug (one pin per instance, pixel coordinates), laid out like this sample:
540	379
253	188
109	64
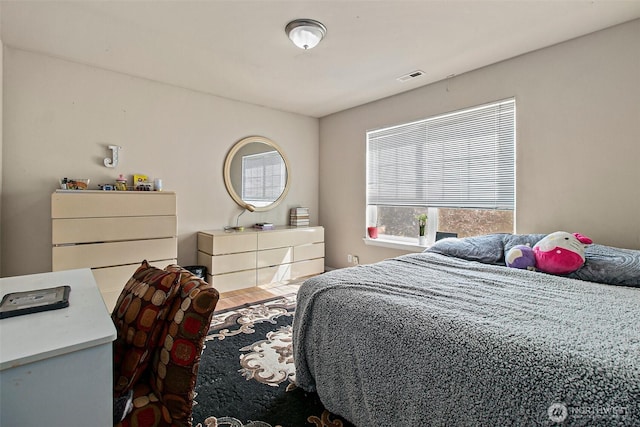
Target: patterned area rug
247	375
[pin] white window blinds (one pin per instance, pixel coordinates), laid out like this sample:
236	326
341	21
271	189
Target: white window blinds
463	159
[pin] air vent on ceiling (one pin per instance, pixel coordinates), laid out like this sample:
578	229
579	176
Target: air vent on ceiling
411	75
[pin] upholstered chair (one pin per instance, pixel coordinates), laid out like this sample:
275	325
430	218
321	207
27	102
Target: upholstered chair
162	318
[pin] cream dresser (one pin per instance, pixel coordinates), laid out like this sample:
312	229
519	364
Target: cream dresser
242	259
111	232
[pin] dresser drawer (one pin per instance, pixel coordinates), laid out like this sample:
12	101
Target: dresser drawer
114	278
233	281
111	280
277	256
222	264
307	268
102	204
304	252
87	230
227	243
290	237
112	254
278	273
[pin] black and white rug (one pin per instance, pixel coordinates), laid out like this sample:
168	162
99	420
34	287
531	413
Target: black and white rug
247	375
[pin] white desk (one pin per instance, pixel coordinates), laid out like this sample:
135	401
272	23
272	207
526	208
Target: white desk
56	366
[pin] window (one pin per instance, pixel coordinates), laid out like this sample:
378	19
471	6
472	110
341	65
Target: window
263	178
458	168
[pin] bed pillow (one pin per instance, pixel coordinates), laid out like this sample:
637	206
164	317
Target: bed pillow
511	240
609	265
487	249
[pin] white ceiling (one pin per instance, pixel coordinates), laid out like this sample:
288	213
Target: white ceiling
238	49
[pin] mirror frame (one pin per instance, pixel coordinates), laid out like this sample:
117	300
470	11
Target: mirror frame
227	171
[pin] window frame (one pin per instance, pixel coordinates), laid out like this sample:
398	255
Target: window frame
500	139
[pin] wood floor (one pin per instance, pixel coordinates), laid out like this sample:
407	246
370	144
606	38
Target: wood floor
258	293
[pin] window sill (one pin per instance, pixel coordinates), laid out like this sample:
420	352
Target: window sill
395	244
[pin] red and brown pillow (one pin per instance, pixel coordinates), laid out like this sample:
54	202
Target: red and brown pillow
139	317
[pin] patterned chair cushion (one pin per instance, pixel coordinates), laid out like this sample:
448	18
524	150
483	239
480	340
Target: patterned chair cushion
176	361
139	318
147	409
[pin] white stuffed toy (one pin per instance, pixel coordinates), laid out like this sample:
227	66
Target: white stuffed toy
560	252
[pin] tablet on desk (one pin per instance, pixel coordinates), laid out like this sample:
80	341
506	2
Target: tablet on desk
18	303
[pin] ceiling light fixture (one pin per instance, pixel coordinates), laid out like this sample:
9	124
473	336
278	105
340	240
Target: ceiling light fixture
305	33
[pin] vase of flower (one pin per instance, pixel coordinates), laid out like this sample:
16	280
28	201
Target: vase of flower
422	223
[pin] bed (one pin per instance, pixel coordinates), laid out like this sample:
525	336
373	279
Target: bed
453	337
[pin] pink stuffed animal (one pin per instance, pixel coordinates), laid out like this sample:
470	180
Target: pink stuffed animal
560	252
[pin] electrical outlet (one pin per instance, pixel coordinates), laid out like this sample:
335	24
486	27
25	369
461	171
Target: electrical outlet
349	258
356	260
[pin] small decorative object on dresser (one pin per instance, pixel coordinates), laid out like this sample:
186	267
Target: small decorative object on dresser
264	226
142	183
74	183
299	217
121	183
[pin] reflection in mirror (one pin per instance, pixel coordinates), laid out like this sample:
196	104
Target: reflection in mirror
256	173
259	173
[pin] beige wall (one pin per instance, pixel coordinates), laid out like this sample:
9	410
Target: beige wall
1	104
578	141
60	116
1	149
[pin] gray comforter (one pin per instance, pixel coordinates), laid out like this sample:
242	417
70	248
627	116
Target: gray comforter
431	340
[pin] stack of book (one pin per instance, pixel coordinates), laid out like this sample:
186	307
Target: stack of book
299	217
263	226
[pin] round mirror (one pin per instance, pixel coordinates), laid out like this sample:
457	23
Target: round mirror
256	173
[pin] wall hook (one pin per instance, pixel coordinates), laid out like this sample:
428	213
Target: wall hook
113	161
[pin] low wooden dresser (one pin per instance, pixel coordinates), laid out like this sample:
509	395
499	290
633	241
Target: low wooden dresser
247	258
